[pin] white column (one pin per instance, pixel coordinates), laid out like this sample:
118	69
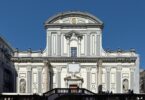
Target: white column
59	76
108	78
58	44
68	46
39	79
49	47
88	77
79	48
47	83
29	79
118	79
98	45
136	77
88	44
99	69
131	78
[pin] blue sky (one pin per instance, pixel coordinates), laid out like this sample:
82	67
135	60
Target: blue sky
21	21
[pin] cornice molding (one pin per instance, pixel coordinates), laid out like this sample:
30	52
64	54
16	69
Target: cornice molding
74	26
78	59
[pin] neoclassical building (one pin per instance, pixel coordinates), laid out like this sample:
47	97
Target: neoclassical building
74	57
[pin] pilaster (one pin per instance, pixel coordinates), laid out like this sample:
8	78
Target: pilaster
132	78
136	72
108	69
79	47
88	44
59	44
118	79
99	76
29	79
47	76
49	43
88	77
59	76
98	45
39	79
68	47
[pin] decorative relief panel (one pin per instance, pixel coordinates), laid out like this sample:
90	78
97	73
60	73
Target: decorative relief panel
125	75
22	75
66	20
74	20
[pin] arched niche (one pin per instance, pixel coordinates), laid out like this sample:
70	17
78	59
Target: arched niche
125	85
22	86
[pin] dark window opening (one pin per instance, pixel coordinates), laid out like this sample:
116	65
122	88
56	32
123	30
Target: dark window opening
73	51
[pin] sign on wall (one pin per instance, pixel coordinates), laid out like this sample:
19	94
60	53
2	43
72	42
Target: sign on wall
73	68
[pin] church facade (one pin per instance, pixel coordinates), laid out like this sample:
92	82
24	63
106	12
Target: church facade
74	57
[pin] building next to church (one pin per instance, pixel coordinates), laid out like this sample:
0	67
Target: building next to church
74	57
142	81
7	70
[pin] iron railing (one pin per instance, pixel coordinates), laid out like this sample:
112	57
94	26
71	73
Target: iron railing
102	97
68	91
71	94
22	96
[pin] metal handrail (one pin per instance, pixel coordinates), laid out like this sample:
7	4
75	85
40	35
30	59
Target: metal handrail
68	90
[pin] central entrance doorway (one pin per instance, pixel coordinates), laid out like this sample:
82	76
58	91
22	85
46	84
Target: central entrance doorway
74	88
73	83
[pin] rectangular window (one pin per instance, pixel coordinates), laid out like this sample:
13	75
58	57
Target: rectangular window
73	51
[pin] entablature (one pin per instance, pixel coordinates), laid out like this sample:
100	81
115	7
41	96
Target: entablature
77	59
63	26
